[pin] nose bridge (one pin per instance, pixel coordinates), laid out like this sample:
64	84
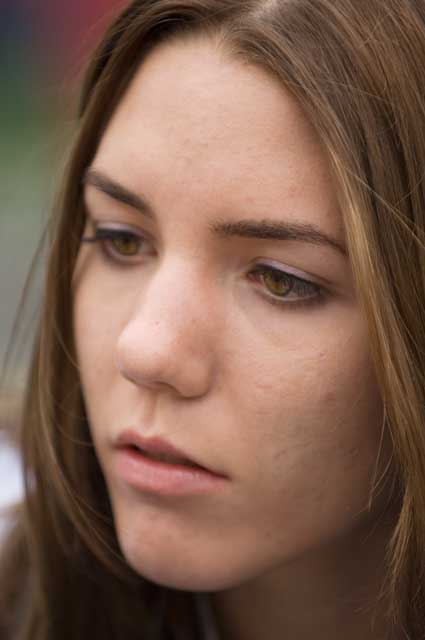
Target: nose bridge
170	331
179	294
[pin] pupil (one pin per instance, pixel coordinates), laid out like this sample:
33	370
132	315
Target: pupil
277	283
126	245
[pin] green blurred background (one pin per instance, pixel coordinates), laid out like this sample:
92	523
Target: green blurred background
44	48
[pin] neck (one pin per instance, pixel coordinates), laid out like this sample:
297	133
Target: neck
327	594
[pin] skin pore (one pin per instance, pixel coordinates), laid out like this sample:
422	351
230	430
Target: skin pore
179	337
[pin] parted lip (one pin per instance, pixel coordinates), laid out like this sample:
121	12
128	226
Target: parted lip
158	447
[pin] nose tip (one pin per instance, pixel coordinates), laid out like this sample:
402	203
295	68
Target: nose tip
169	339
133	375
162	364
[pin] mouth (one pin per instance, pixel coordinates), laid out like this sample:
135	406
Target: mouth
160	450
155	466
166	457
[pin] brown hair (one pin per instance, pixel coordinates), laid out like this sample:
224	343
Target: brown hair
356	68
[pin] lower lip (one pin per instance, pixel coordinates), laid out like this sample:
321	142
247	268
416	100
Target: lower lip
163	478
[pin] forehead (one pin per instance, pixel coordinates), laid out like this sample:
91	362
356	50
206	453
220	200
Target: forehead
194	115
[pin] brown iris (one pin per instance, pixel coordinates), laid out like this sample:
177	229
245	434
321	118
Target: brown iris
276	283
125	244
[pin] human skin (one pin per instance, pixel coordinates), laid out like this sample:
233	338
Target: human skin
182	343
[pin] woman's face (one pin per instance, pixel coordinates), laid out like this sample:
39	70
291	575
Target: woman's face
183	335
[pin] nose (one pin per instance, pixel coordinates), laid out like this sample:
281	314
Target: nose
167	342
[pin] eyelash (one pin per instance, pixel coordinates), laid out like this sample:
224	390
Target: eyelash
317	294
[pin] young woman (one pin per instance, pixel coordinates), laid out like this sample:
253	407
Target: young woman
223	433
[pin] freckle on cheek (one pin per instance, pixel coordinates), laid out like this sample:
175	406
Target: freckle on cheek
330	397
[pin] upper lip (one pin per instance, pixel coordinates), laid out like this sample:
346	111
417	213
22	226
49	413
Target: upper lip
157	446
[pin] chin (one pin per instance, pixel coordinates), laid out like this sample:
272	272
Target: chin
182	571
181	581
194	577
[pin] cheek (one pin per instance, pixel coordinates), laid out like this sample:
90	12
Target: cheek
311	416
99	311
96	323
336	381
309	441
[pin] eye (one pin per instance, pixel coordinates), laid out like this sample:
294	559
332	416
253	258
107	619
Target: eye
125	244
287	289
119	245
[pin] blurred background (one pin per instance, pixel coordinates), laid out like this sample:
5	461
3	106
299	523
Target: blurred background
44	48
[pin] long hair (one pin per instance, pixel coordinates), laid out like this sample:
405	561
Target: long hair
357	70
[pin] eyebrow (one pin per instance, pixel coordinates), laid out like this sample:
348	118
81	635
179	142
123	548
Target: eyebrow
264	229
